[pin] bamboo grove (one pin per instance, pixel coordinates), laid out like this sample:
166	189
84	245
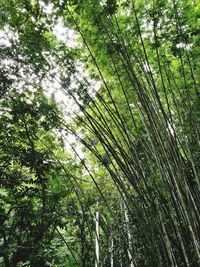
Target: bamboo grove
109	176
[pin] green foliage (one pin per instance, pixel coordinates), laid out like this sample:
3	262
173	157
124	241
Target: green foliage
31	177
138	132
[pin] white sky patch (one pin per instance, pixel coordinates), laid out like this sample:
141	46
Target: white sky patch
7	62
184	45
6	35
4	40
102	3
52	86
64	34
48	8
147	29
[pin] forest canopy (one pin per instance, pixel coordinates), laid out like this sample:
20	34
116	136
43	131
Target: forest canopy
99	133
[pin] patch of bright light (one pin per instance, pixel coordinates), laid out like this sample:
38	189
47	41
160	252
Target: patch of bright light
6	35
184	45
64	34
48	8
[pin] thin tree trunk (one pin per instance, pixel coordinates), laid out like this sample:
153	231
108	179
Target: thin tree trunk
6	261
111	253
129	249
97	236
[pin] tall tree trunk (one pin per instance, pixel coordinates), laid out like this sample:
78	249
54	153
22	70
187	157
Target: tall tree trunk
111	253
129	249
97	236
6	261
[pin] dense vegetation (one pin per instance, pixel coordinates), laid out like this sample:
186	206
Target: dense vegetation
99	133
